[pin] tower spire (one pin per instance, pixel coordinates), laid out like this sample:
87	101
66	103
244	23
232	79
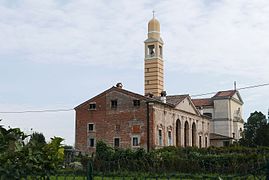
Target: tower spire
153	13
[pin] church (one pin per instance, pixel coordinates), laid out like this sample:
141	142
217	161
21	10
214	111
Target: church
125	119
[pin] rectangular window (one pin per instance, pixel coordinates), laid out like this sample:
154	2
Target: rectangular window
116	142
90	127
205	141
200	141
136	103
92	106
160	137
114	103
91	142
135	141
169	138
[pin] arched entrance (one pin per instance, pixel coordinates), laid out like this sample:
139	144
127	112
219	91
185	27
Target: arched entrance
186	134
193	134
178	133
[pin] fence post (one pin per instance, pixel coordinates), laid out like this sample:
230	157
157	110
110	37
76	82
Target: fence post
90	171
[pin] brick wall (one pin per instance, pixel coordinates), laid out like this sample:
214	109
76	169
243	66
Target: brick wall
122	122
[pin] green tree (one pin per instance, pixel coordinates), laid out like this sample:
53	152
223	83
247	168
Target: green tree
37	139
19	159
256	131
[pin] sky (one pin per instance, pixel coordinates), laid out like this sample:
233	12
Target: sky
56	54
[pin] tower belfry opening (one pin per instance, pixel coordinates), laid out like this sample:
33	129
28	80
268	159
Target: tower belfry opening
154	82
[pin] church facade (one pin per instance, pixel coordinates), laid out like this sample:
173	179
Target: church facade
125	119
225	112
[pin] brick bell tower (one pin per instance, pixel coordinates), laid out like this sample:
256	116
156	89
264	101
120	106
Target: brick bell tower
154	59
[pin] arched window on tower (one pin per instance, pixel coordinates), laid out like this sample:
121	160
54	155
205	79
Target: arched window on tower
151	51
161	51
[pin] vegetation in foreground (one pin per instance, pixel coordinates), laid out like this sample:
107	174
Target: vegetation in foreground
19	158
25	156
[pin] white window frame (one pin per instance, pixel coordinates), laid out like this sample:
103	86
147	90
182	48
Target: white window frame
138	141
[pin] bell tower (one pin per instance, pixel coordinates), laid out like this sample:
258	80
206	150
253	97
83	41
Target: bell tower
153	59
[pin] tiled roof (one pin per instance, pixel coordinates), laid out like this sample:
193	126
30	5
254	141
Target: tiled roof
202	102
149	99
214	136
225	94
175	99
116	89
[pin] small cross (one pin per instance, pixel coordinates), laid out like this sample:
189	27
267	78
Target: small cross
153	12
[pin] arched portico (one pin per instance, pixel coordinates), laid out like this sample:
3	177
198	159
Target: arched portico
194	132
186	134
178	133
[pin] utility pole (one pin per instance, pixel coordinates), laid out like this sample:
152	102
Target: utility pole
268	116
235	85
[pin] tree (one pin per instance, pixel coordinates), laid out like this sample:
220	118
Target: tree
256	131
38	139
19	159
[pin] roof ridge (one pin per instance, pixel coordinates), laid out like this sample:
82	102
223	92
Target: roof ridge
180	95
201	98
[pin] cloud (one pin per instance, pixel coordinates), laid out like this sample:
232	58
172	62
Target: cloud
90	32
228	37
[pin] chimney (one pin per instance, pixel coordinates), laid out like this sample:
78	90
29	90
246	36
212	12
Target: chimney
163	96
119	85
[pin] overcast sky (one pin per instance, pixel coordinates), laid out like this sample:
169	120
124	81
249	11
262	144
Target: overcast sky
55	54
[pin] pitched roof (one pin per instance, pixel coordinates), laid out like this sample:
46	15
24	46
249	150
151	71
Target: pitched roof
130	93
202	102
215	136
225	94
174	99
